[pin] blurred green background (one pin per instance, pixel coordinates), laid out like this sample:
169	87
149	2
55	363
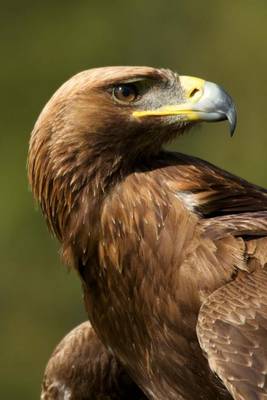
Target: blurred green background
43	44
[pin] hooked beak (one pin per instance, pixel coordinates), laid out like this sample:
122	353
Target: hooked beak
204	101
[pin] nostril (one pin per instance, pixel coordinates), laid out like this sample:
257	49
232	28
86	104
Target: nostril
194	91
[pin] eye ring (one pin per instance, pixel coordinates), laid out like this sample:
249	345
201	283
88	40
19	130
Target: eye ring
125	93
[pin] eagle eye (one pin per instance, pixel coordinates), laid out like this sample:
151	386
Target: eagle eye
125	93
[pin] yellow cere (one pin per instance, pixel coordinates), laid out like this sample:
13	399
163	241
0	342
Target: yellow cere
192	87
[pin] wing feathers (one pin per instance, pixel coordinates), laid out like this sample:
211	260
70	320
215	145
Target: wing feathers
232	330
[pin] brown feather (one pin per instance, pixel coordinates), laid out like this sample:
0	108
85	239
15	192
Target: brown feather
232	328
80	368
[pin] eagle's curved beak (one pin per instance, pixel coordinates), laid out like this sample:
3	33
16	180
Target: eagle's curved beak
203	101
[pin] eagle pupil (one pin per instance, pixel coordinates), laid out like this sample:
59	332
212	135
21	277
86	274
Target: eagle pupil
126	91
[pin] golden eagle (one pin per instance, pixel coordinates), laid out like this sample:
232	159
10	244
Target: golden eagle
171	250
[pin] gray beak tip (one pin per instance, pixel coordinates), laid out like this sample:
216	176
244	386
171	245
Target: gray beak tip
232	118
216	105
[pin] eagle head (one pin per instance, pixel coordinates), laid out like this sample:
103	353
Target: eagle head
102	120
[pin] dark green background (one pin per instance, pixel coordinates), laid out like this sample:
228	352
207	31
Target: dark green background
44	43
